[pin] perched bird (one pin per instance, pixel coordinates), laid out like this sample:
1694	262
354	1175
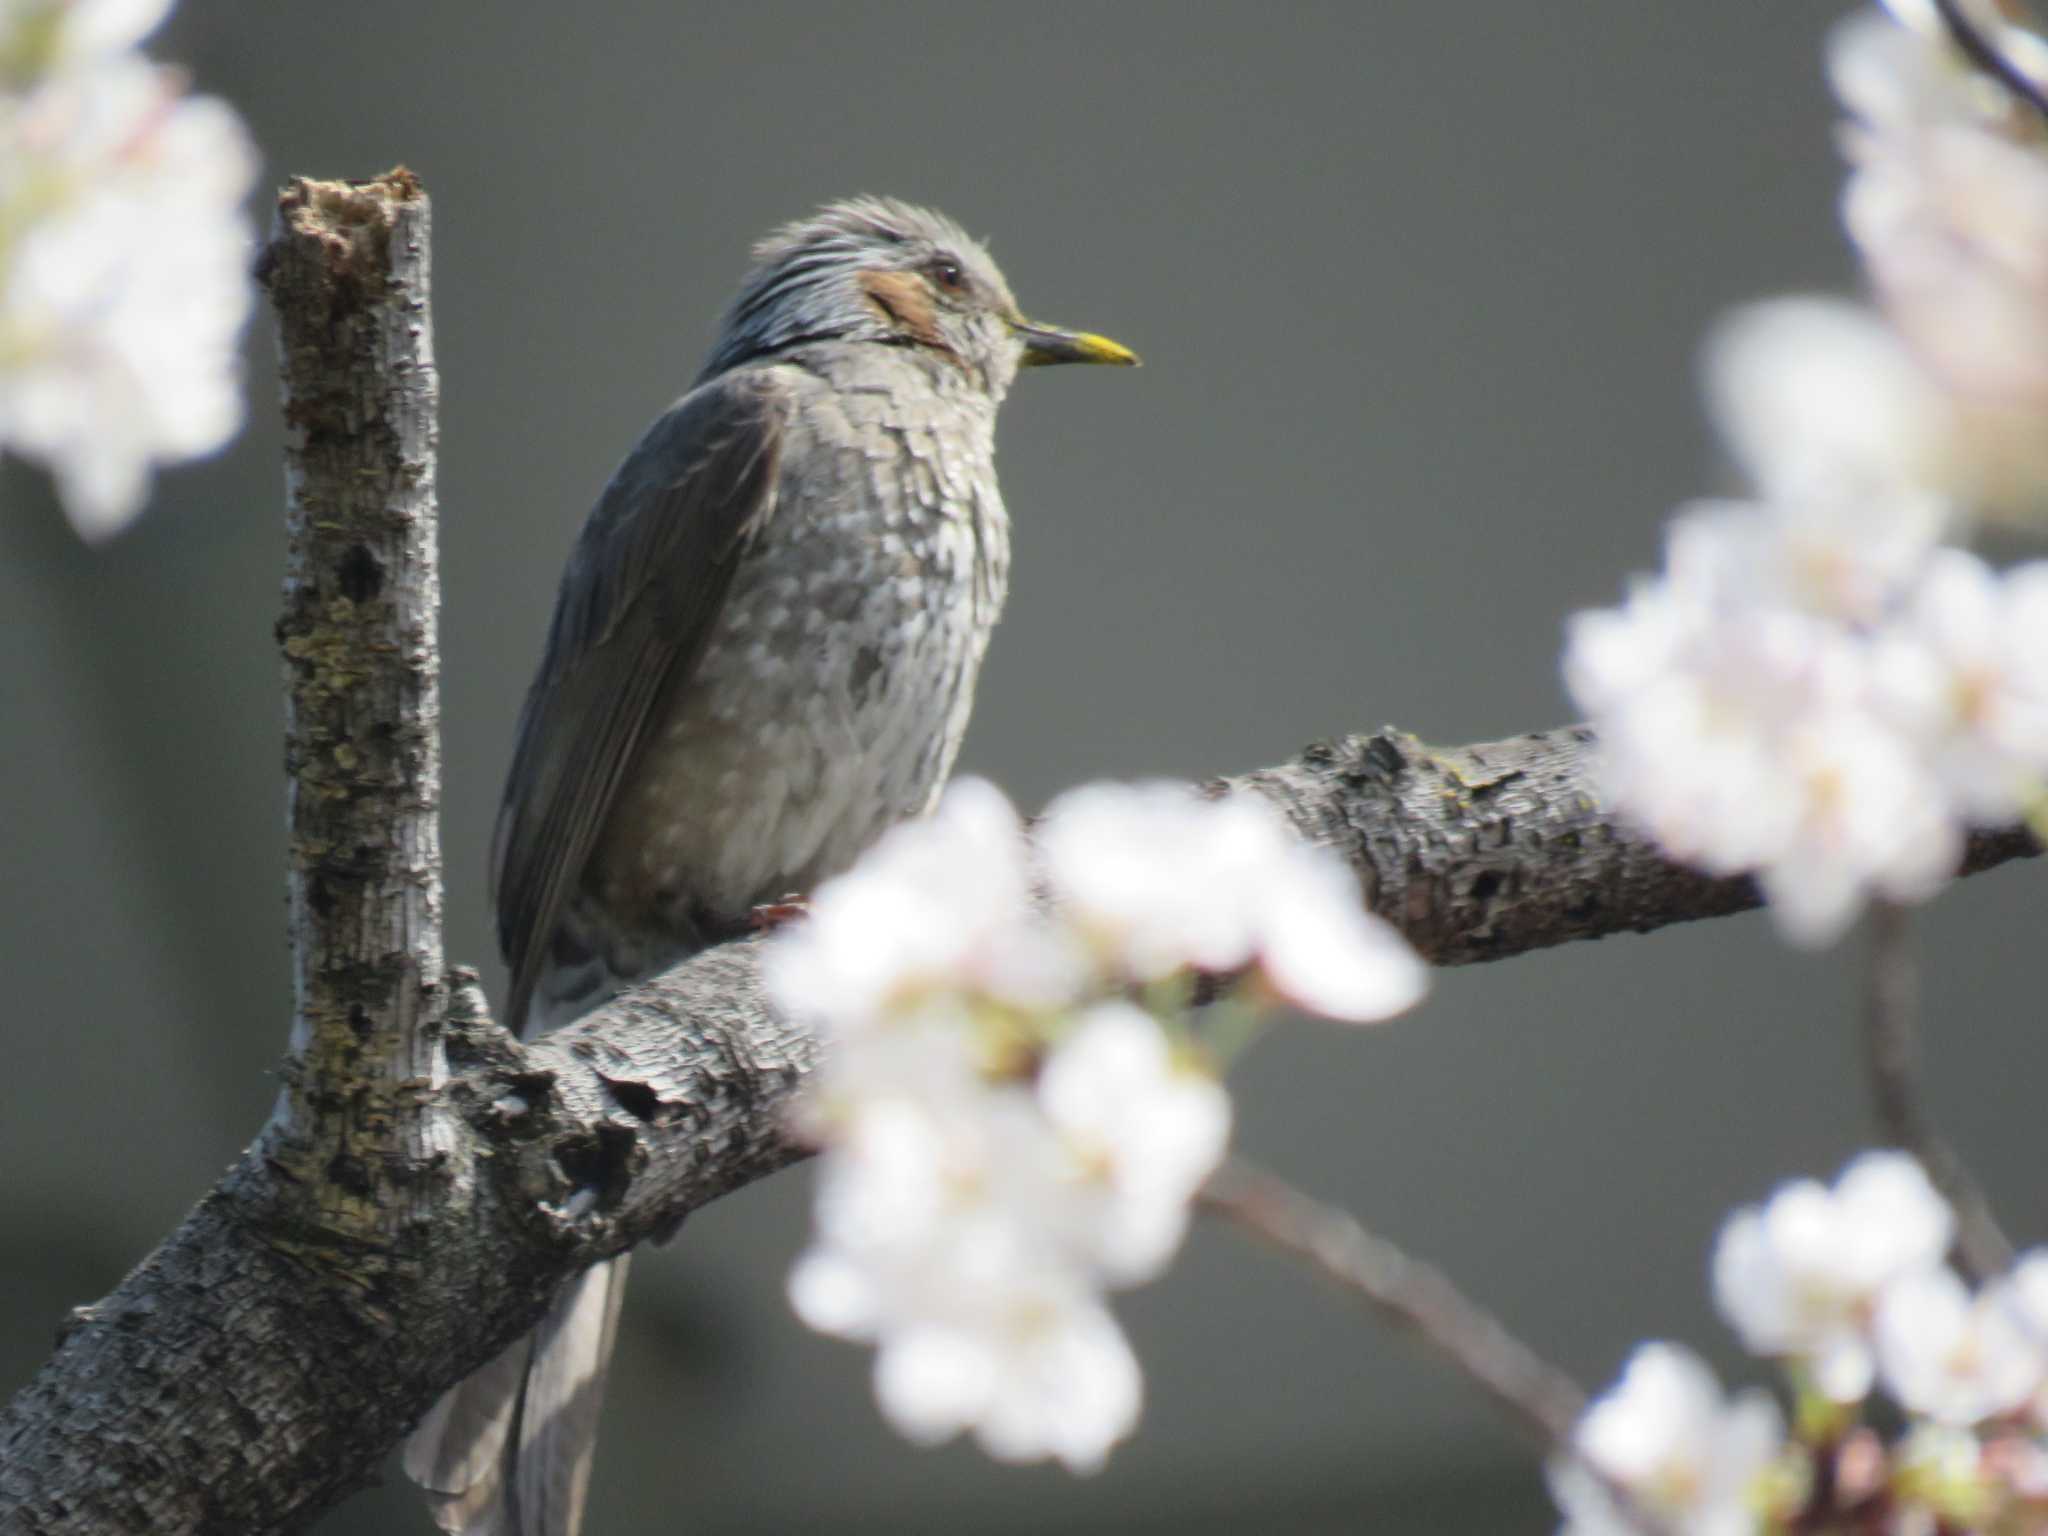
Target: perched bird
763	654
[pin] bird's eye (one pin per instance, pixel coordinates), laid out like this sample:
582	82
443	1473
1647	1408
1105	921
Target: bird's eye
947	274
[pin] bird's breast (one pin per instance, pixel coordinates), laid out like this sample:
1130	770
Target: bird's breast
835	686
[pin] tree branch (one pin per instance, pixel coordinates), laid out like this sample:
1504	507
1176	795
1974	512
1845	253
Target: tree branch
1406	1293
1891	1045
347	269
1492	850
394	1227
247	1375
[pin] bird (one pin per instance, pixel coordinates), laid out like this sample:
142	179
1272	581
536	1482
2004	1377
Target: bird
762	656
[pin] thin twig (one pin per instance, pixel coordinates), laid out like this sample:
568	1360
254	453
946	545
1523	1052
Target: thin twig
1406	1292
1988	57
1891	1042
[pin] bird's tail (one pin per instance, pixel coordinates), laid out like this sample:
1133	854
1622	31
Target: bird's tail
507	1451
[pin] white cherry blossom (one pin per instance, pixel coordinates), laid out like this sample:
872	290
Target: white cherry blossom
67	33
1948	204
1952	1357
1739	726
1835	424
1005	1134
1691	1459
1868	817
1965	671
2026	1290
1799	1276
1141	1129
948	1235
124	256
1157	879
1042	1372
938	905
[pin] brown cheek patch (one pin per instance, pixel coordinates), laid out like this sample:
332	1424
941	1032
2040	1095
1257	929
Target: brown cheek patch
903	297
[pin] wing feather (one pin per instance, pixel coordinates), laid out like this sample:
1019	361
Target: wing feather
647	578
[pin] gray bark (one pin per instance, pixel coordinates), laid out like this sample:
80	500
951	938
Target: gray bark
409	1209
347	269
1495	849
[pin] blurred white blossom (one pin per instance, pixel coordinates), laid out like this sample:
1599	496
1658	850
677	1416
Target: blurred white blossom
1839	430
1815	689
1850	1287
2027	1291
1743	737
124	255
1141	1129
2023	1291
1965	671
1799	1277
1948	204
1044	1372
1005	1132
1692	1460
941	1238
1156	879
941	906
1948	1356
1865	816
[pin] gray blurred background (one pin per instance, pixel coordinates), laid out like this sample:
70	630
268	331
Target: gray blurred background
1418	286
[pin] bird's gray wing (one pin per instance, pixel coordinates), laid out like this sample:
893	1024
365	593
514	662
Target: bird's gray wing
646	579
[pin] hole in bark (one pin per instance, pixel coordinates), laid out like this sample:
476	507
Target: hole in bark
360	574
523	1092
635	1098
359	1020
1384	753
1486	886
604	1164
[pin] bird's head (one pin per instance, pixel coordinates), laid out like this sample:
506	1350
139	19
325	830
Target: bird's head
875	270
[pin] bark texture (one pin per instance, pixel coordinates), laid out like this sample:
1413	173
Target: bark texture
1491	850
428	1182
347	269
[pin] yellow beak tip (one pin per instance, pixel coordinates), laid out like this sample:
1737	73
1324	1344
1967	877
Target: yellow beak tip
1045	344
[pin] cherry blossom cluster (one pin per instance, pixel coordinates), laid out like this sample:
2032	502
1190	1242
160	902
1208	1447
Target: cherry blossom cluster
1947	203
1821	686
1848	1289
1019	1092
124	255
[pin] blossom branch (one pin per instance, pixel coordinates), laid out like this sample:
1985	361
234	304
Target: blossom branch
1405	1292
1537	1396
1491	850
1892	1047
663	1100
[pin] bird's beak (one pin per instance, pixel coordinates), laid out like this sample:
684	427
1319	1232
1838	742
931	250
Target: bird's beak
1044	344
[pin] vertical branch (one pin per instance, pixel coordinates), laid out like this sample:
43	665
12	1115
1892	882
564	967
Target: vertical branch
347	271
1892	1045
